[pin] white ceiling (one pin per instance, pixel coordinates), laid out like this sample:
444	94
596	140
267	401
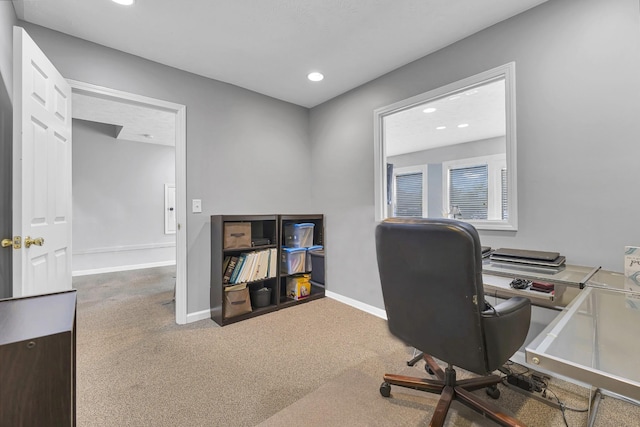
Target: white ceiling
269	46
133	122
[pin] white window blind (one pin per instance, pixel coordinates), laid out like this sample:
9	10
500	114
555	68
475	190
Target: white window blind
469	191
504	204
409	195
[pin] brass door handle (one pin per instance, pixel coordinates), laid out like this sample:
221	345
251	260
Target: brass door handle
38	241
15	242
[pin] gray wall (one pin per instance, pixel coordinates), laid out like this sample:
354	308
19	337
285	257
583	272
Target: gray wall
483	147
578	80
7	20
246	153
118	199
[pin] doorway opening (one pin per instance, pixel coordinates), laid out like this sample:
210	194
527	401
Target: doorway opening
177	114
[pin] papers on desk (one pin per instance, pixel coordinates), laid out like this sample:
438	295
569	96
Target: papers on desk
632	276
495	285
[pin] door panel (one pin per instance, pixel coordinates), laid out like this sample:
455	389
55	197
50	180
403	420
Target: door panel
6	149
41	172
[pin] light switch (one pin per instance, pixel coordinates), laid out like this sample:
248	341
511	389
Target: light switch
196	206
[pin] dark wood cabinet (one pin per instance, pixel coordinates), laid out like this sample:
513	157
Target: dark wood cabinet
38	360
263	228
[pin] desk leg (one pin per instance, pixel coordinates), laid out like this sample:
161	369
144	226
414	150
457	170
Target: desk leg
593	407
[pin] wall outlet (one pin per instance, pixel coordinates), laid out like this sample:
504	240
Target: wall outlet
196	206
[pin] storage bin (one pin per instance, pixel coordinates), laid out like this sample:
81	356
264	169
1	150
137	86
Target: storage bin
261	297
298	235
307	263
317	266
298	286
236	300
237	235
293	260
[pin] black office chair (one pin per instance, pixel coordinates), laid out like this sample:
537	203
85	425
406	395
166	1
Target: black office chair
431	276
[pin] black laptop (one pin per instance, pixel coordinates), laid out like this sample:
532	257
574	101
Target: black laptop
524	256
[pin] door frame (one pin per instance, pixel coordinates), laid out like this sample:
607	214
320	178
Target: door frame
180	112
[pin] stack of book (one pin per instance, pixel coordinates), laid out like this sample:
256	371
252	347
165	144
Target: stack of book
250	266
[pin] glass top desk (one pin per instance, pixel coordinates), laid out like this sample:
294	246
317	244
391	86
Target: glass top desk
568	280
595	338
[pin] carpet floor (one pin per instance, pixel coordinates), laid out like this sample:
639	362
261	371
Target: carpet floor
316	364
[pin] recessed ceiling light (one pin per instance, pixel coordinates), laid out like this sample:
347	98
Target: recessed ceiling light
315	76
441	127
471	92
454	97
429	110
124	2
463	125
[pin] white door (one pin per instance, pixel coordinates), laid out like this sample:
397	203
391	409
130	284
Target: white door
41	172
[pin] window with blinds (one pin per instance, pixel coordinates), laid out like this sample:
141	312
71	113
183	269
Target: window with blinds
408	195
504	204
469	191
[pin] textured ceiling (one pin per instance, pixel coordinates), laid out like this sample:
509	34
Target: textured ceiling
133	122
269	46
481	108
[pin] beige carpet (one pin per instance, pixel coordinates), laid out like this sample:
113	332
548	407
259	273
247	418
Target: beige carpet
317	364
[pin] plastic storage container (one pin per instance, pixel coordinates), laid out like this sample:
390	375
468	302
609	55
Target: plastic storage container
293	260
308	264
298	235
317	269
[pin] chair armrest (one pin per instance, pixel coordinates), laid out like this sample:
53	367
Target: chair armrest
505	329
506	307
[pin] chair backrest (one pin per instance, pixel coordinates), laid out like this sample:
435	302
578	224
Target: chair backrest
431	276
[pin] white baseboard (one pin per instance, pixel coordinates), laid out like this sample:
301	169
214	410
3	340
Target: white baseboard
125	248
378	312
206	314
122	268
199	315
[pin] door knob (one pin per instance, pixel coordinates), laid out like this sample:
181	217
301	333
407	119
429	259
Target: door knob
15	242
38	241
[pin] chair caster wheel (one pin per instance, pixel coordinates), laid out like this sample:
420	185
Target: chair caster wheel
385	389
493	391
428	369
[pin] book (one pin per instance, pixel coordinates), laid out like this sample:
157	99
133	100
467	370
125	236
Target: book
229	265
247	268
273	262
237	269
263	265
254	268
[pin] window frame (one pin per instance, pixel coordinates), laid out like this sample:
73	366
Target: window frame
409	170
495	163
380	156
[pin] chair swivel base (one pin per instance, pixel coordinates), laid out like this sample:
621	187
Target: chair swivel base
449	389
